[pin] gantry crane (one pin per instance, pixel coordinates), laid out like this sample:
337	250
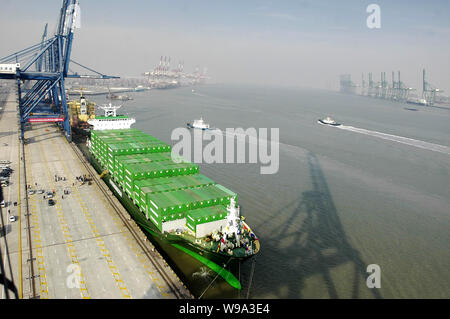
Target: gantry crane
396	91
43	89
428	91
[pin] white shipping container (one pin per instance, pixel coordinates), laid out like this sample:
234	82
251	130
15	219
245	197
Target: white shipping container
174	225
207	228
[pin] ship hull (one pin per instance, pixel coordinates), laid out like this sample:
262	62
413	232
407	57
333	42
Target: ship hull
86	132
417	103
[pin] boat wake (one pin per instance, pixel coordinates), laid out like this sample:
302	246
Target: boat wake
394	138
399	139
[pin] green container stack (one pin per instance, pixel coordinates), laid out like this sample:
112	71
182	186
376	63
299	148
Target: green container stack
138	171
107	144
123	160
172	205
164	189
144	189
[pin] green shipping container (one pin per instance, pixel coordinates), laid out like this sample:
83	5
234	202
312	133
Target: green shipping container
166	184
122	160
108	143
139	171
175	202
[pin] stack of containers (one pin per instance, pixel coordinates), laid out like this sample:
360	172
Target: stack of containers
123	160
203	221
127	148
171	194
144	189
107	144
138	171
98	147
173	205
98	136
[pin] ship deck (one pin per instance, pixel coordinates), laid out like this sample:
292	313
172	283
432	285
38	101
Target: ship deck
80	247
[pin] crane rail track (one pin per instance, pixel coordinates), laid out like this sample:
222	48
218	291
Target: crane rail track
103	188
33	294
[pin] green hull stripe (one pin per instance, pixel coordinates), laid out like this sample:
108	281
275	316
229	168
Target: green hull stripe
225	274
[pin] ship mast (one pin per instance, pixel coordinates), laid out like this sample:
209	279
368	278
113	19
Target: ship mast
110	110
233	221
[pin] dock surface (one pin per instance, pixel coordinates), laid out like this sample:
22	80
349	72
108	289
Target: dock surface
82	246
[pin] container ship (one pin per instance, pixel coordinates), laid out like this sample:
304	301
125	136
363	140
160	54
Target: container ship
168	197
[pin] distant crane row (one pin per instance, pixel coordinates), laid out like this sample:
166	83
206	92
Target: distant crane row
395	91
163	69
164	77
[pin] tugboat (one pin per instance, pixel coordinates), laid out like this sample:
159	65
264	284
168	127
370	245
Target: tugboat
328	121
199	124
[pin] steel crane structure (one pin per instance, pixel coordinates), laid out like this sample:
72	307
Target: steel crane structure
40	72
346	84
428	91
396	91
402	90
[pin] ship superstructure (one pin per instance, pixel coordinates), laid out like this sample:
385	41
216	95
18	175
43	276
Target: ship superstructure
111	121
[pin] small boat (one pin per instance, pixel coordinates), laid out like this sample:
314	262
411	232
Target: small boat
328	121
119	97
199	124
418	102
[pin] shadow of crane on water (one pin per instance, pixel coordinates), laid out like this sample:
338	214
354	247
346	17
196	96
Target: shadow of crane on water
317	247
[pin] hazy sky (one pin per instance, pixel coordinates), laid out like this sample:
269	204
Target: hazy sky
298	43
